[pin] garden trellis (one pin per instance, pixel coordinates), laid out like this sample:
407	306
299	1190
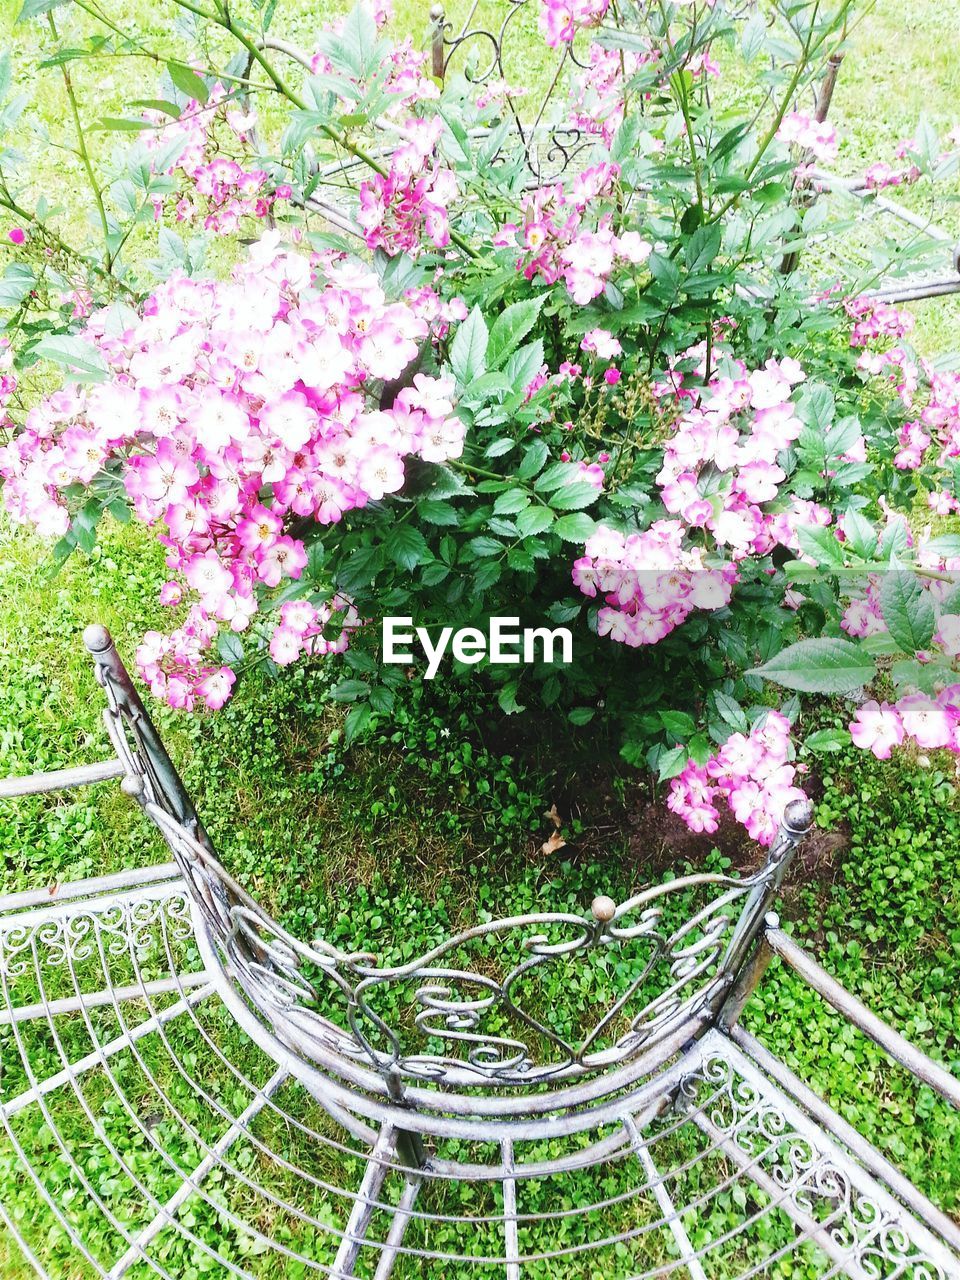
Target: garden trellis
363	1118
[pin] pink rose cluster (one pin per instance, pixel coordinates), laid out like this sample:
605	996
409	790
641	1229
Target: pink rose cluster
236	412
816	137
229	190
649	581
876	321
411	202
560	20
598	91
721	467
751	772
930	722
557	242
404	76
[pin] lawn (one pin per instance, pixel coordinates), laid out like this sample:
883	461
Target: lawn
436	819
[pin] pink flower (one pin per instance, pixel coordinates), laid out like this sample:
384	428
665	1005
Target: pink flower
286	646
877	727
927	721
16	235
381	472
215	688
601	343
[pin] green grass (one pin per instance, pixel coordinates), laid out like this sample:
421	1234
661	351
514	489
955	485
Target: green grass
395	843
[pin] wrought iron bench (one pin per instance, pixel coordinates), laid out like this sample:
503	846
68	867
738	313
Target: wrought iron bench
187	1089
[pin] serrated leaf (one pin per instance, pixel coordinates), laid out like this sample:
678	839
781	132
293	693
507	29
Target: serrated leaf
509	503
435	511
37	8
823	665
576	527
73	354
679	723
349	690
524	365
15	283
825	741
907	610
859	535
407	546
510	328
115	124
574	497
671	762
230	648
469	347
357	720
484	546
731	712
534	456
534	520
382	699
188	82
820	544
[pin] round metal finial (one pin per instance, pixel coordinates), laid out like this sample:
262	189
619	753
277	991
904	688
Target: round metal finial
436	12
604	909
96	638
798	817
131	785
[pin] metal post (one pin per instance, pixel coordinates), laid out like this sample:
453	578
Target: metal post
437	24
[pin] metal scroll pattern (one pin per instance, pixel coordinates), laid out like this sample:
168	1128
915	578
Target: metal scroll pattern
475	1009
803	1176
482	1006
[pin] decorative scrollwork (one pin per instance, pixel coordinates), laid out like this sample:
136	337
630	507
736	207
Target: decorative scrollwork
807	1173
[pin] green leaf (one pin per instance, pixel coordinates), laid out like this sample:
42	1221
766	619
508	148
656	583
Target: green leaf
524	365
574	497
824	665
859	535
73	354
509	503
510	328
37	8
581	715
821	545
114	124
484	546
407	546
358	37
15	283
534	520
679	723
434	511
188	82
731	712
671	763
157	104
825	741
534	456
357	720
576	527
469	348
230	648
907	610
349	690
382	699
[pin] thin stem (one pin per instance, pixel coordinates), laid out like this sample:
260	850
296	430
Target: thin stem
341	139
85	154
7	202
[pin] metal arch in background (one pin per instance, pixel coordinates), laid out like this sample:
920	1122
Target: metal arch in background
186	1086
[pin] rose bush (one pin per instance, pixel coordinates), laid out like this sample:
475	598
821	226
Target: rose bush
599	392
